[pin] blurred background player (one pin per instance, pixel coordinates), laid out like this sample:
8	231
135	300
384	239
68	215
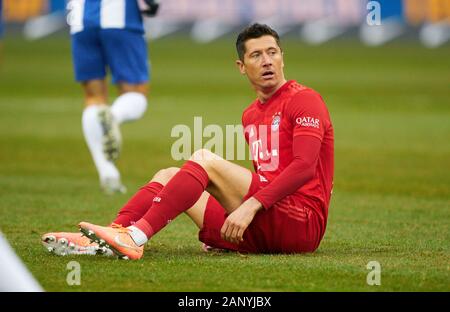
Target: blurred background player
109	35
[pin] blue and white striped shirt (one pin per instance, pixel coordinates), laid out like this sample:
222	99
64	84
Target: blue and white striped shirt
104	14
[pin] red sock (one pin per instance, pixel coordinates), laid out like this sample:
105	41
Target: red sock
138	205
180	194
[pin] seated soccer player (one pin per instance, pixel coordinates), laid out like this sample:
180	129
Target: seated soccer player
282	207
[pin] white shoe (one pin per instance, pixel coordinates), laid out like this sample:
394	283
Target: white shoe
112	185
112	138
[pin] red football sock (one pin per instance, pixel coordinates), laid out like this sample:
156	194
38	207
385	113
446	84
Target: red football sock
179	194
138	205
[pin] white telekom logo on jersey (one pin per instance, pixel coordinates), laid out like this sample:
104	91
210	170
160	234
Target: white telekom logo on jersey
157	199
308	122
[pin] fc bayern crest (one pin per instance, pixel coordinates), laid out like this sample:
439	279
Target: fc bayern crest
276	120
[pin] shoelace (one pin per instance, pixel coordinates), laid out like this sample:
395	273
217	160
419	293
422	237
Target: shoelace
120	228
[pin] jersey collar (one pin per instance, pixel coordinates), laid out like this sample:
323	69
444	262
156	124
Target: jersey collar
280	90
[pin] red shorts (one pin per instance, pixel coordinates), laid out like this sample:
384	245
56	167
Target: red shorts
289	226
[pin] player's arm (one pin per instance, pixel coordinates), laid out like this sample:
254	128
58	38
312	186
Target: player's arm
308	115
301	170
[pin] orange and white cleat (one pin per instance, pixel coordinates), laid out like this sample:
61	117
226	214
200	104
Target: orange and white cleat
115	237
63	244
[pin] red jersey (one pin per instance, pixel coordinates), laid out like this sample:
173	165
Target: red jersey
270	127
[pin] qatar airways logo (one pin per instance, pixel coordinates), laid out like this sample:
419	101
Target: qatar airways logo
308	122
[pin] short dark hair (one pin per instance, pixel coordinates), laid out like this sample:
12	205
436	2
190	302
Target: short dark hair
252	32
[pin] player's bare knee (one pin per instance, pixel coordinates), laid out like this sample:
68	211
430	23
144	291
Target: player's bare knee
199	155
206	159
163	176
142	88
203	154
95	92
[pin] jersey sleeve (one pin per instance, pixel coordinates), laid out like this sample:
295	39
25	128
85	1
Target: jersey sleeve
308	114
244	125
306	153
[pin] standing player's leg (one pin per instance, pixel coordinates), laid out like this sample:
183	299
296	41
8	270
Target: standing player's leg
131	103
126	55
100	131
102	135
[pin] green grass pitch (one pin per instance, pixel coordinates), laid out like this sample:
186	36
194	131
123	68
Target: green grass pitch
391	203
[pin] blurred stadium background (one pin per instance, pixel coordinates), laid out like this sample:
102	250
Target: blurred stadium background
387	89
315	22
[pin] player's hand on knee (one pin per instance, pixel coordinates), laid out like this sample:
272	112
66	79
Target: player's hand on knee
238	221
232	230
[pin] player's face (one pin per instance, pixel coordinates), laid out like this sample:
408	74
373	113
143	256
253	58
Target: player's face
263	63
